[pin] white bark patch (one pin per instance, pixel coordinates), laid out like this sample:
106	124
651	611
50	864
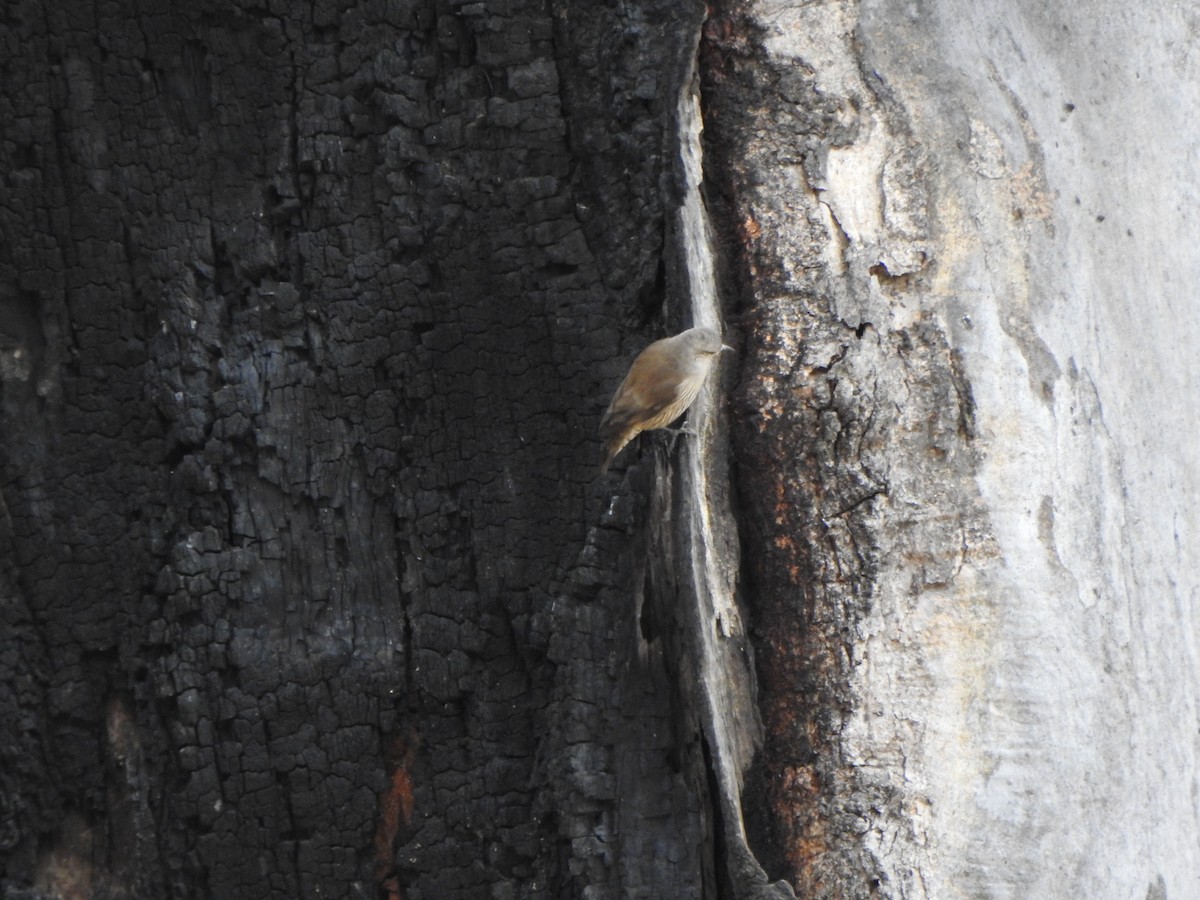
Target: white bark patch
1039	710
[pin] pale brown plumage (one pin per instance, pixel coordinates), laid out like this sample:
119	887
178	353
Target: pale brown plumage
662	383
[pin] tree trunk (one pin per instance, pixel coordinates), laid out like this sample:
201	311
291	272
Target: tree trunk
308	584
311	589
968	521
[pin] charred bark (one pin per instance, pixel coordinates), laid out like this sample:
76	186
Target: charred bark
310	589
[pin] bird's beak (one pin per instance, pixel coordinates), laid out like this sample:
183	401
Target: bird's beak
726	347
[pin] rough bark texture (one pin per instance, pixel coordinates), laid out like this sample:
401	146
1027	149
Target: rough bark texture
967	537
308	586
307	317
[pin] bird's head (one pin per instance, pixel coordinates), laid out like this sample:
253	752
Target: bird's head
704	341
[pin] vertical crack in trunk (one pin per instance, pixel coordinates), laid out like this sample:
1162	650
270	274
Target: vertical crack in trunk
723	693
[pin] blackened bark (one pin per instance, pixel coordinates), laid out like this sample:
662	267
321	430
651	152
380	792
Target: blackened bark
307	316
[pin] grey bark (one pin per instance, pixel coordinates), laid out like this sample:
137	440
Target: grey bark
964	442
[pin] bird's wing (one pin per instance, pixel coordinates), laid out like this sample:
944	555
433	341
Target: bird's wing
651	388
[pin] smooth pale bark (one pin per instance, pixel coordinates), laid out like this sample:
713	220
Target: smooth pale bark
964	243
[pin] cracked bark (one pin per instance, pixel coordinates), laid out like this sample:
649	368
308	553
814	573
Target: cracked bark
307	585
922	171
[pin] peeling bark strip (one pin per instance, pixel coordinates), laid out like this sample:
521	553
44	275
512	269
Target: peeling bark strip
707	556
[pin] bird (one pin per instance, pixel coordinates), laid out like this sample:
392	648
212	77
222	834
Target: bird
662	383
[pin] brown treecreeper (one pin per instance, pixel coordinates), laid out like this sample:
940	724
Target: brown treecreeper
662	383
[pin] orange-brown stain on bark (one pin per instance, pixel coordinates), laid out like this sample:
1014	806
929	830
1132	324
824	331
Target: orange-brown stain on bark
395	812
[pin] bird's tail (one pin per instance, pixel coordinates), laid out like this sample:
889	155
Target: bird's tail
612	447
